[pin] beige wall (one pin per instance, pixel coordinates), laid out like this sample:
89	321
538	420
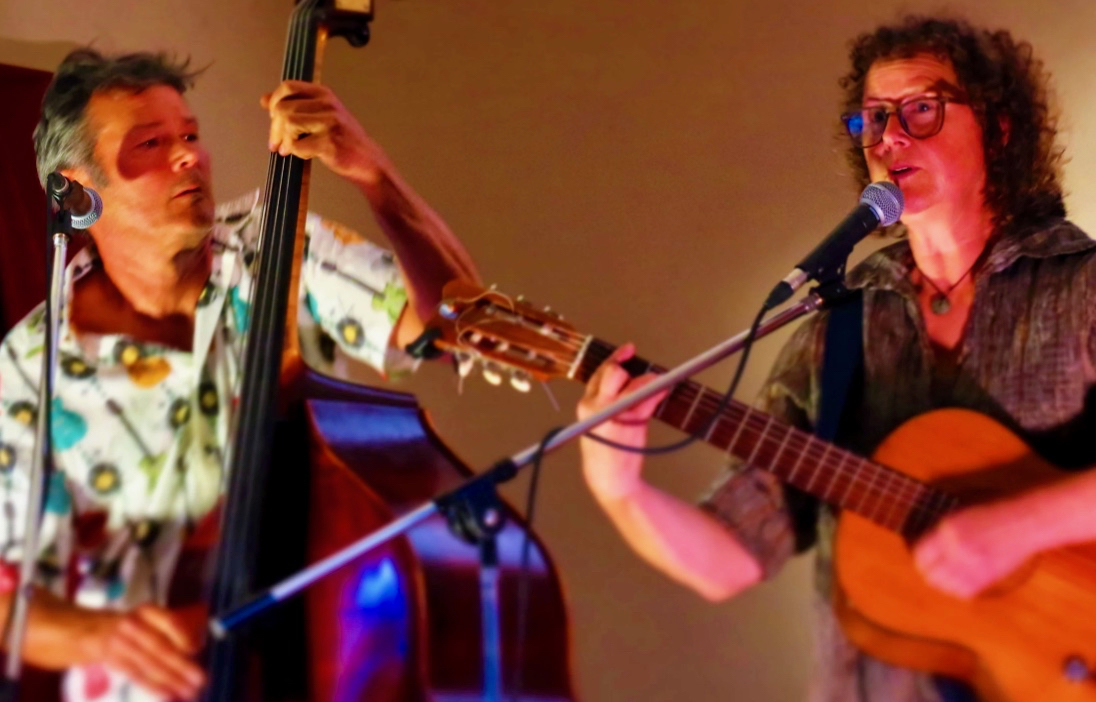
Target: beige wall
648	168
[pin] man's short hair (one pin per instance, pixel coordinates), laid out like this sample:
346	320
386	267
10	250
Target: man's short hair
1007	88
62	138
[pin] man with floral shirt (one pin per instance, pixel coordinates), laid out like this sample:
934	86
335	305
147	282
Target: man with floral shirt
155	315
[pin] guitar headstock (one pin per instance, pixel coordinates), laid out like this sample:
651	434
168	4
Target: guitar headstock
506	335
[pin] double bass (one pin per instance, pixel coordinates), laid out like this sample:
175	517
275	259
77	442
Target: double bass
317	463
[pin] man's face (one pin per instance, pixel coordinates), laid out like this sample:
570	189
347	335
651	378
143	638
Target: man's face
157	172
941	174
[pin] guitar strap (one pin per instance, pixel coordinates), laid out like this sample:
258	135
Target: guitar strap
842	362
842	370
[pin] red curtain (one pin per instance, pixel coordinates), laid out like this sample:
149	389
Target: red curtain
23	240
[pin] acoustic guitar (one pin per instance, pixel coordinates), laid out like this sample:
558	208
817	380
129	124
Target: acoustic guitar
1030	637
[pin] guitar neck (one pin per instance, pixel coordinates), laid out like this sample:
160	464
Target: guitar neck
796	457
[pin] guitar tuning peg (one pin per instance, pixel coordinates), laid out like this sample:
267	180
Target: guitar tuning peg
465	361
446	309
520	381
503	346
492	373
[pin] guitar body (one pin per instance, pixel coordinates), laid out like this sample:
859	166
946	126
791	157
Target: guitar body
1012	642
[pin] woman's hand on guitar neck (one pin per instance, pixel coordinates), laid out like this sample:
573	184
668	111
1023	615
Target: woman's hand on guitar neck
675	536
611	473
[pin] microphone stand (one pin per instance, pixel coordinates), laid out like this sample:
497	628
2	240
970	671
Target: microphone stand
60	229
473	508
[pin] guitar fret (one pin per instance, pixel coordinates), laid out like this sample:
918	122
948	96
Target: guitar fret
676	400
834	474
878	485
866	498
898	511
692	408
741	425
579	356
854	473
799	460
821	462
788	433
760	439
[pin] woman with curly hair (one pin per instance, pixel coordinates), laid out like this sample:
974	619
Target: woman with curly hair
984	303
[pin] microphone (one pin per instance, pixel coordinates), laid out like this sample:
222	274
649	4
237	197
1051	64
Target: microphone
84	203
880	206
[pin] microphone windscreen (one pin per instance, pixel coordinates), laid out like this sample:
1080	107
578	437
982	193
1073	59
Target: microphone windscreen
886	201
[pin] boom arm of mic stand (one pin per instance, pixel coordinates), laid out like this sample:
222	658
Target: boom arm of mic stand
221	625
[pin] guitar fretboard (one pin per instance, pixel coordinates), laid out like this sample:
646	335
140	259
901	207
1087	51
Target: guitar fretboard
798	458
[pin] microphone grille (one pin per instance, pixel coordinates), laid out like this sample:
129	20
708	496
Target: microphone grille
86	219
886	201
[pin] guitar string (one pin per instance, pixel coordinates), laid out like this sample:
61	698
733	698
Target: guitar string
906	488
895	486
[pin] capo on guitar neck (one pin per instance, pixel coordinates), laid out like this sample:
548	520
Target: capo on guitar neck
423	346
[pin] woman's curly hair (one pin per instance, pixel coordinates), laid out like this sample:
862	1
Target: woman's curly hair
1006	86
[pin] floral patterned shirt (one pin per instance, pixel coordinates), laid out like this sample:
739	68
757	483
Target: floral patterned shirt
139	429
1027	359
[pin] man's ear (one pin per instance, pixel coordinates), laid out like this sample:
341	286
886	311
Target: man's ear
77	173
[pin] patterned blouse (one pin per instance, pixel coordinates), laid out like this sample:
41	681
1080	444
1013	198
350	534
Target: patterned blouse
1027	359
139	429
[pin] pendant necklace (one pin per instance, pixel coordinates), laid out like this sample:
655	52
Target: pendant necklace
939	302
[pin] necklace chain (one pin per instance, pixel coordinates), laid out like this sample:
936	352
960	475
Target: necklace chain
939	302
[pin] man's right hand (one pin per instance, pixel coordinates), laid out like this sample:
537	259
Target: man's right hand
152	646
